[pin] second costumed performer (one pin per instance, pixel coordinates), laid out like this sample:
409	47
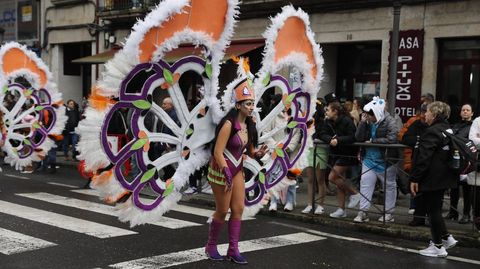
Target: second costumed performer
235	136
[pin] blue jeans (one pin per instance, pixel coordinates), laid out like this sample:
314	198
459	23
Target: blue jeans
50	159
67	139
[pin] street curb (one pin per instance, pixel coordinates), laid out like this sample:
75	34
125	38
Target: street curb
466	239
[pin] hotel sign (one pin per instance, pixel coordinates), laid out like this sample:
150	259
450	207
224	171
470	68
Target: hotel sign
409	73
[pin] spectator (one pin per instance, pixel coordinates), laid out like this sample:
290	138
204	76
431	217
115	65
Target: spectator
3	133
410	135
69	135
472	179
431	176
338	131
462	129
352	112
321	164
379	127
167	106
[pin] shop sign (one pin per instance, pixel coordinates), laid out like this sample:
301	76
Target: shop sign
409	73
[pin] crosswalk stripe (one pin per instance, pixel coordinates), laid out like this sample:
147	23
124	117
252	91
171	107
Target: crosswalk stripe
62	221
62	185
180	208
166	222
198	254
12	242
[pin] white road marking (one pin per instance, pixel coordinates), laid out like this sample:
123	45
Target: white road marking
15	176
12	242
198	254
371	243
90	192
170	223
62	221
63	185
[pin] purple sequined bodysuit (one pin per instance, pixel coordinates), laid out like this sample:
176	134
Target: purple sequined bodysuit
233	155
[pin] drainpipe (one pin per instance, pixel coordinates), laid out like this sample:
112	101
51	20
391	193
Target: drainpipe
392	75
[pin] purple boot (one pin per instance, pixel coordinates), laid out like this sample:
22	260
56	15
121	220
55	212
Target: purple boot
234	235
211	247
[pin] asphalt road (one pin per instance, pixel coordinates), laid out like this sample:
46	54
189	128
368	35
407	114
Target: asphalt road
49	221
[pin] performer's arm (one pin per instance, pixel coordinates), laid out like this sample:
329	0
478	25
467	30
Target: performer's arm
222	140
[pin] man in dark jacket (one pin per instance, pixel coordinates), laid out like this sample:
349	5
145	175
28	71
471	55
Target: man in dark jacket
69	135
432	175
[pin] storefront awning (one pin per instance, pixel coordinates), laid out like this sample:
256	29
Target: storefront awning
236	48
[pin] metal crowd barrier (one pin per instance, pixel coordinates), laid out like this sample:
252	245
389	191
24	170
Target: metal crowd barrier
388	161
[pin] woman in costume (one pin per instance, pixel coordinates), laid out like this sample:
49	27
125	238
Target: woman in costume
236	134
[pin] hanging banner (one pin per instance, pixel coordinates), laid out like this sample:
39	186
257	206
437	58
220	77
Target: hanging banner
409	73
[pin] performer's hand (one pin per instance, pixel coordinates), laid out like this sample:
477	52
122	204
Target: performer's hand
334	142
228	179
262	151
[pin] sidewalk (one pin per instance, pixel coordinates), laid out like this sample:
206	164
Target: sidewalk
465	233
462	232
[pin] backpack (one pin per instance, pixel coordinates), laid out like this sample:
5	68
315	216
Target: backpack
466	150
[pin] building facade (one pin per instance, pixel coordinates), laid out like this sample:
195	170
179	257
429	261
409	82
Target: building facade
439	50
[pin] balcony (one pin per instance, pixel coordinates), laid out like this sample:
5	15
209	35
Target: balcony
67	2
124	9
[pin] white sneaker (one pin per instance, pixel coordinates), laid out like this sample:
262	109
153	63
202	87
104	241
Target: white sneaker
433	251
361	217
206	188
190	191
388	218
450	242
411	211
26	171
319	210
273	207
339	213
288	207
354	200
307	209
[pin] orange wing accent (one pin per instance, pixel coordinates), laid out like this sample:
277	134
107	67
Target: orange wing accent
202	15
98	101
294	29
15	59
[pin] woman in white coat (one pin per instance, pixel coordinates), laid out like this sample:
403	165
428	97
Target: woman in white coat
474	177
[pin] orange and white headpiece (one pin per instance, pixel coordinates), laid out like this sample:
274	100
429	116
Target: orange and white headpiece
241	88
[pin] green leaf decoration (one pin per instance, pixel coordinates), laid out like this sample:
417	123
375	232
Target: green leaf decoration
28	92
168	190
266	80
290	98
250	83
168	76
27	142
280	152
208	70
38	108
5	89
189	131
142	104
292	124
148	175
36	125
139	144
261	177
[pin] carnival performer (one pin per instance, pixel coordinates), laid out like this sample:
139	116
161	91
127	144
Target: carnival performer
236	135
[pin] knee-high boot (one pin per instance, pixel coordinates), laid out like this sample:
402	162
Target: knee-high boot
233	253
211	247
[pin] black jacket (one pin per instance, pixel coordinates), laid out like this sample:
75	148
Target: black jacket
462	128
72	121
344	130
431	168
